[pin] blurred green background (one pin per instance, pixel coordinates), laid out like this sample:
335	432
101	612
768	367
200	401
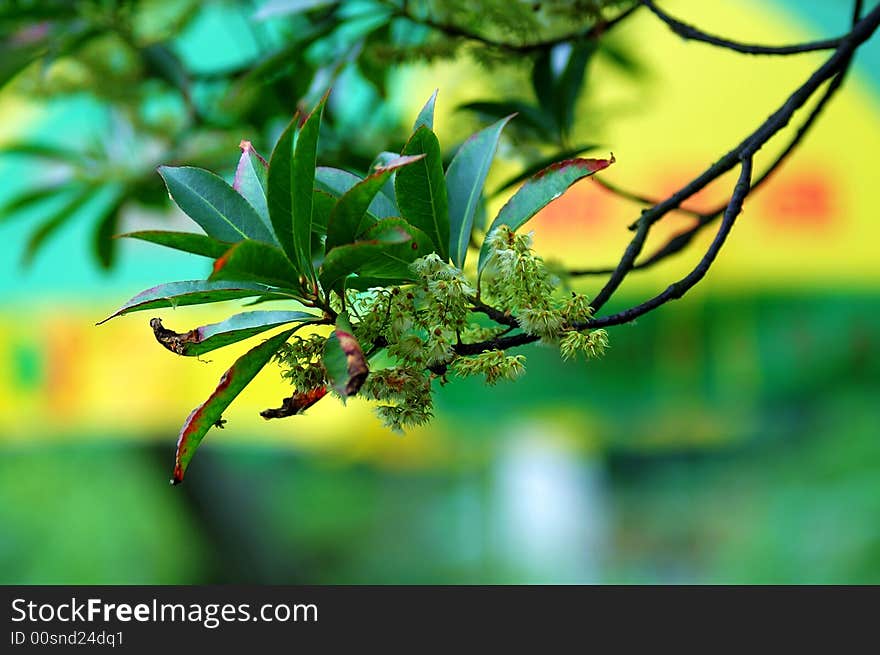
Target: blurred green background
730	437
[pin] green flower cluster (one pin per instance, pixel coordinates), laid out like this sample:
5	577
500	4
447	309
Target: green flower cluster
493	364
405	394
418	326
300	361
518	279
590	344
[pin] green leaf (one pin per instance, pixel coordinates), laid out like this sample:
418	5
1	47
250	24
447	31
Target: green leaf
44	151
280	196
420	190
291	186
233	382
251	180
302	185
237	327
197	244
53	222
190	292
103	241
570	84
539	191
336	182
386	252
465	178
534	118
544	82
349	218
26	200
213	204
344	360
322	205
426	115
256	262
530	170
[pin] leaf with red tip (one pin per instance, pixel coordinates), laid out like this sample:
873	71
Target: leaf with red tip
539	190
191	292
233	382
344	360
251	180
237	327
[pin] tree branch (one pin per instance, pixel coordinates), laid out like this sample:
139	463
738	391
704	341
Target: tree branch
678	242
451	29
834	68
747	148
678	289
687	31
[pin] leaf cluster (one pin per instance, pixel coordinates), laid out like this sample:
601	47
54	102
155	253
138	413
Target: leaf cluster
374	264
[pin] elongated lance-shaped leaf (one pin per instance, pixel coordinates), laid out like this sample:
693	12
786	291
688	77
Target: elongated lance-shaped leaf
279	195
256	262
214	205
349	218
344	360
386	252
302	185
529	118
26	201
103	240
337	181
237	327
426	115
196	244
210	412
570	83
190	292
54	221
541	164
252	181
465	178
539	191
45	151
420	190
